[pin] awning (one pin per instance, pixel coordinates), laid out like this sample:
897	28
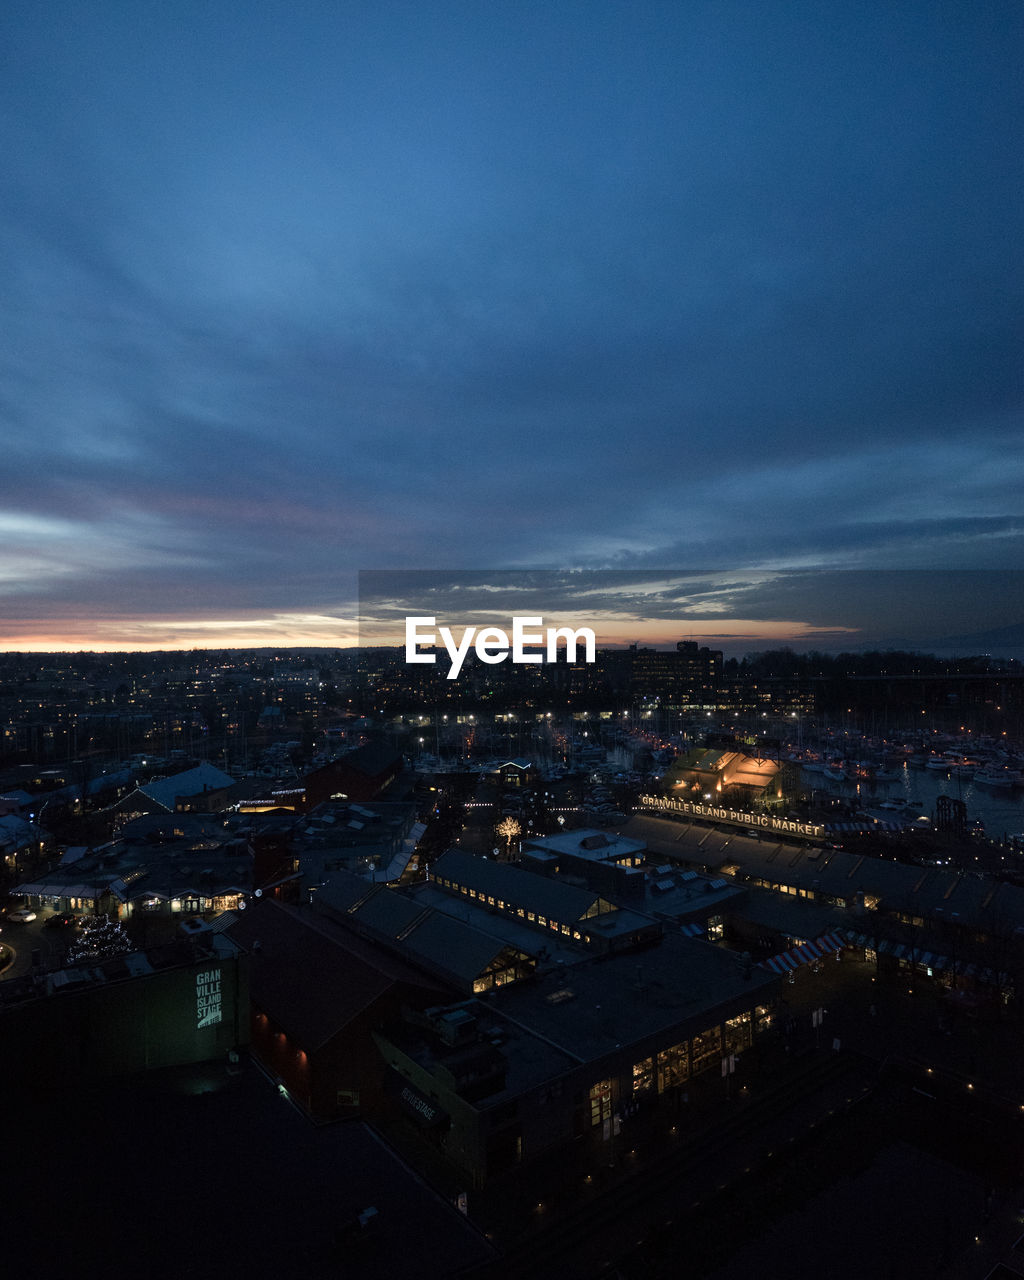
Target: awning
886	947
694	930
60	889
877	824
807	953
929	959
989	977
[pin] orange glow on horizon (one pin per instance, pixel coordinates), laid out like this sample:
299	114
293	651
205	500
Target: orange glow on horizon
149	635
141	635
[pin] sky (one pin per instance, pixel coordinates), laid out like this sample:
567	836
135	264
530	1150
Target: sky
290	292
948	612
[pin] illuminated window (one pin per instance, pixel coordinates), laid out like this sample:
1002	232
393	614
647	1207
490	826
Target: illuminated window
706	1050
600	1101
673	1066
737	1033
643	1076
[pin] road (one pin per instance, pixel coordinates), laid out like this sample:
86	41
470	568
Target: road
23	939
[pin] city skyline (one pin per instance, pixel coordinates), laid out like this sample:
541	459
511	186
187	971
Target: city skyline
290	295
737	611
740	612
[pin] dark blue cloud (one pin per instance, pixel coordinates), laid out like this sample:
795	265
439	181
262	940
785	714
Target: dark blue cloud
289	293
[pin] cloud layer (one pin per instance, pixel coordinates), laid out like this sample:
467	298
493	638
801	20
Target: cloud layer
290	293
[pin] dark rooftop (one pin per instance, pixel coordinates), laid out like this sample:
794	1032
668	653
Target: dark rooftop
630	998
310	976
243	1182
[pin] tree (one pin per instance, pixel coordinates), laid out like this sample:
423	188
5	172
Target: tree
508	828
100	939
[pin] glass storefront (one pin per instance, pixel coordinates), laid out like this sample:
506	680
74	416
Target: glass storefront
737	1033
673	1066
706	1050
600	1101
643	1077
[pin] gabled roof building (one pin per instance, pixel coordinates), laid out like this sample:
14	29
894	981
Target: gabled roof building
204	789
318	993
547	905
468	959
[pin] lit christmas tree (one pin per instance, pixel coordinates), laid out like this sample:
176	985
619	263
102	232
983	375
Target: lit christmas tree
99	939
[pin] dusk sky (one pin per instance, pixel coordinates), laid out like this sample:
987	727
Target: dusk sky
293	291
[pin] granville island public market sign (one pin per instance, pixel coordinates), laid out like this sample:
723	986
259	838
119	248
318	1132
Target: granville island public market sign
758	821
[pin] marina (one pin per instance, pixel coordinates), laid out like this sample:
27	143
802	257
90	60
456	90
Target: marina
1000	810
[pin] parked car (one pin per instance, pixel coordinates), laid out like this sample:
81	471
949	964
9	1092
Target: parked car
62	920
21	915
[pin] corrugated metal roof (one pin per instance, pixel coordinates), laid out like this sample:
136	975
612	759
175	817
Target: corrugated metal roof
510	884
450	946
205	777
350	974
388	914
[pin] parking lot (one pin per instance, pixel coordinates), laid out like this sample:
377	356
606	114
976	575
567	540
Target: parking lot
35	938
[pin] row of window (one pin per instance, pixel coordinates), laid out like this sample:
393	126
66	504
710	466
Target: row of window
532	917
675	1065
870	901
499	978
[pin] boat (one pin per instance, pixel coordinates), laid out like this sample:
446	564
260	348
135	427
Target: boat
952	762
1003	779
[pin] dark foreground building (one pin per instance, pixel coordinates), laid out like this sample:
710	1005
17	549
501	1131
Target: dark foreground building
503	1079
186	1002
203	1174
